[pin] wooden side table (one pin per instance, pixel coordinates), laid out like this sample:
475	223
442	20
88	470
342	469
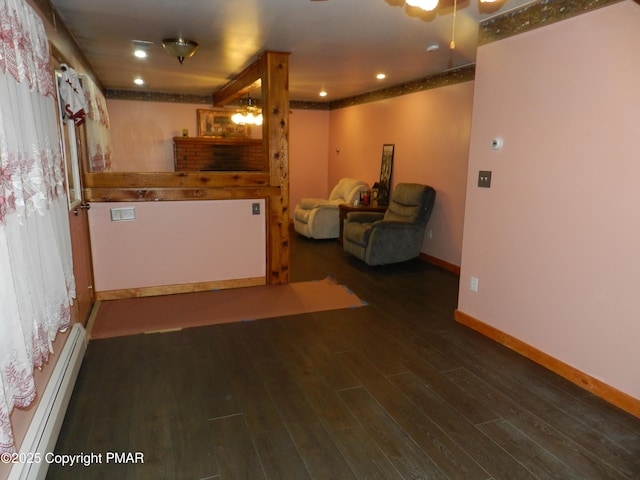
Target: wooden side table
345	208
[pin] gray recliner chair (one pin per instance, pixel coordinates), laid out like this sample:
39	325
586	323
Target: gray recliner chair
393	236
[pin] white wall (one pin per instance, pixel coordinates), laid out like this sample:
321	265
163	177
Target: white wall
554	241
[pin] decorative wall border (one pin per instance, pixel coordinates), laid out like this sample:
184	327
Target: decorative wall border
149	96
535	15
524	19
465	73
514	22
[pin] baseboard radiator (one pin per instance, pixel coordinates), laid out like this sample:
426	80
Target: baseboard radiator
45	426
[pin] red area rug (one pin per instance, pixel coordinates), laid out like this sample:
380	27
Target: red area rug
170	312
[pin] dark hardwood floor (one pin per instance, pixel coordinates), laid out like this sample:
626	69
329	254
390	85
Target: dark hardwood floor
393	390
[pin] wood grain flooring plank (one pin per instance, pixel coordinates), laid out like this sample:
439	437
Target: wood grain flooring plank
291	401
523	379
330	328
405	455
192	448
449	392
618	423
320	454
327	405
152	403
261	413
280	457
372	341
152	437
430	348
295	401
257	338
530	454
101	408
203	372
314	336
235	452
476	358
631	444
480	447
444	452
269	377
565	449
590	435
363	455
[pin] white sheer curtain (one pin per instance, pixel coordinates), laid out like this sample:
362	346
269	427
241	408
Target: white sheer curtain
36	279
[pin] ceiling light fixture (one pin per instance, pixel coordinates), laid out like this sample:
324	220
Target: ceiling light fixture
252	115
180	48
138	81
141	48
381	76
431	5
323	93
428	5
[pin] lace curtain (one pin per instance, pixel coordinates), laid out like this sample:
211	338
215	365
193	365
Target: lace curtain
97	125
36	279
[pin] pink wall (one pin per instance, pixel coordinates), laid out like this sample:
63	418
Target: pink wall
430	130
308	155
554	241
142	133
171	243
142	139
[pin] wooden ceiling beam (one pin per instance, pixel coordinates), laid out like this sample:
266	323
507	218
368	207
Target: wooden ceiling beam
240	85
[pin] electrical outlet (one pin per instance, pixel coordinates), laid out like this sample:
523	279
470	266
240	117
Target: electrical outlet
255	208
484	178
473	285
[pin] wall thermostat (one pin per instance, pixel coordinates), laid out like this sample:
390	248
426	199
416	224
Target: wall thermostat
497	143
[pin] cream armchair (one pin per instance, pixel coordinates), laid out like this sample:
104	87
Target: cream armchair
319	218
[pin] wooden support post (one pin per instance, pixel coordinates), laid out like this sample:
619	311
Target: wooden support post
272	70
275	112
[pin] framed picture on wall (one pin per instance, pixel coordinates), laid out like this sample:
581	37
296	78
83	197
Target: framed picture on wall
218	123
386	167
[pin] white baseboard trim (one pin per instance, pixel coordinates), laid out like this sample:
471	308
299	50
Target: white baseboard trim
45	426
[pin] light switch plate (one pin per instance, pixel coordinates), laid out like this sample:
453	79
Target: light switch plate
484	178
123	214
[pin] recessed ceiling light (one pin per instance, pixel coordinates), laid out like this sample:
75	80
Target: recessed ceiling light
381	76
141	48
323	93
138	81
433	47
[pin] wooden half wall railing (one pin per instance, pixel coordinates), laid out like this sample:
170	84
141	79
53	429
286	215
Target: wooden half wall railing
271	69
